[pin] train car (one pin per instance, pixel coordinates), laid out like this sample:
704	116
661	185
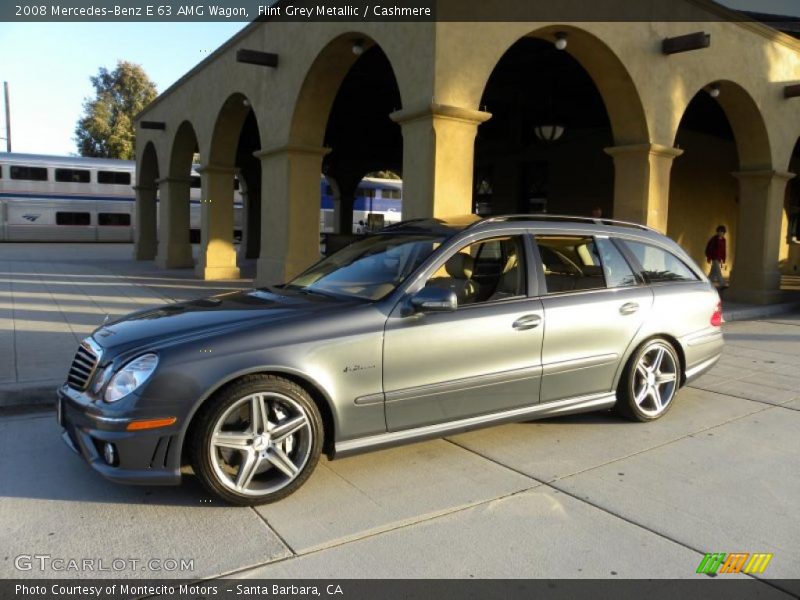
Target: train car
75	199
62	198
377	202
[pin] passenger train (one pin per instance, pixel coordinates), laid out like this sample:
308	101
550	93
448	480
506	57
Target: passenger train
76	199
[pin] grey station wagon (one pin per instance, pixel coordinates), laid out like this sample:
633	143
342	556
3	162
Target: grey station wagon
427	328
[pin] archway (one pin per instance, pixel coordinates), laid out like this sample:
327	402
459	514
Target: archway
555	113
174	247
231	196
342	111
145	219
725	145
789	256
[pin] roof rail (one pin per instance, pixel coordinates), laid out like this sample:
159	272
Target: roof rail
563	218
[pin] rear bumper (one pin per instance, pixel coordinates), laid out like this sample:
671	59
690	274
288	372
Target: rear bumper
142	457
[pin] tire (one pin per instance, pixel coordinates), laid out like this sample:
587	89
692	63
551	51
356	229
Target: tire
240	458
650	382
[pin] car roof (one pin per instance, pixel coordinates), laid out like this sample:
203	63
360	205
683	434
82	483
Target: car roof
555	223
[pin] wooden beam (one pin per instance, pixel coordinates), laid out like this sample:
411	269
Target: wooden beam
256	57
685	43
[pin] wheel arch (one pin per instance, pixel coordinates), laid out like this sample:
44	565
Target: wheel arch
318	395
634	346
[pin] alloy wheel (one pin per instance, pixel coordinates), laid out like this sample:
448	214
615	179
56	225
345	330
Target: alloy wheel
260	444
655	379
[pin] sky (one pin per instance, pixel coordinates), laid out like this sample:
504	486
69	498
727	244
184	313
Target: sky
48	65
49	74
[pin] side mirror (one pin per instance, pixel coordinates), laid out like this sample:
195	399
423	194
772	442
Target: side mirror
434	299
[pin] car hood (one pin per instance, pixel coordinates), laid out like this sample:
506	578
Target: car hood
207	316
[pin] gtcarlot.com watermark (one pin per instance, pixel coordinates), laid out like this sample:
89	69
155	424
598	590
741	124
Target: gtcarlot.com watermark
61	564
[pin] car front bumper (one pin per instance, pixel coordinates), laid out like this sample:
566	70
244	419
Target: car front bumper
149	457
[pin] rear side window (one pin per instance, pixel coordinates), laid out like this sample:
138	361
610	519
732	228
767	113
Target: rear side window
72	175
72	218
29	173
617	270
659	265
570	263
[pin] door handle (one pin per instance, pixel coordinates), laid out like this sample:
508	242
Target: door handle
527	322
628	308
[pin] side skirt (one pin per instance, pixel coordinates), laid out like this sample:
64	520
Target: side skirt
539	411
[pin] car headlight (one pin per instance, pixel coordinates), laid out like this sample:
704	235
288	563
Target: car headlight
131	377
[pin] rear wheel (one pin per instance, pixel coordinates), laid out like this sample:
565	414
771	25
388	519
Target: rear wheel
650	382
257	441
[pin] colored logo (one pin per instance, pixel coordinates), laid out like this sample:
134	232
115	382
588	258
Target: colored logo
736	562
30	217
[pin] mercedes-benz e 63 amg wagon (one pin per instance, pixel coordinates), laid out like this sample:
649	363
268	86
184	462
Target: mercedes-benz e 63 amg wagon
427	328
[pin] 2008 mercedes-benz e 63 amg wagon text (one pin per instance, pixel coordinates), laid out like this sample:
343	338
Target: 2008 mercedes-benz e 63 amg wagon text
427	328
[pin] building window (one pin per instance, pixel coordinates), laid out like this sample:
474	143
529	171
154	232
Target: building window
72	176
73	218
114	219
29	173
114	177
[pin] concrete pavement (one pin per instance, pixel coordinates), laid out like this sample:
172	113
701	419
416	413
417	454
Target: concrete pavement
53	295
582	496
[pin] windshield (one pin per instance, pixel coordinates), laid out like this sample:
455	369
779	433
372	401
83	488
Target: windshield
371	268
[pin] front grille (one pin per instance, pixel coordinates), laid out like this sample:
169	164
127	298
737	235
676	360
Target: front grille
83	366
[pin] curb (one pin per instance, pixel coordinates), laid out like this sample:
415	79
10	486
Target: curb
746	313
38	394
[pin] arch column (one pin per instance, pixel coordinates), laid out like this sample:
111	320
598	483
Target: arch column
145	242
438	158
174	248
755	277
217	258
641	183
290	216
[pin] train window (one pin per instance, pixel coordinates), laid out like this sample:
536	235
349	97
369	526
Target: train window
114	219
195	181
114	177
29	173
72	218
393	194
72	175
235	183
365	192
1	171
328	190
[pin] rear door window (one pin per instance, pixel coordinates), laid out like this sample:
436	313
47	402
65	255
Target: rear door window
570	263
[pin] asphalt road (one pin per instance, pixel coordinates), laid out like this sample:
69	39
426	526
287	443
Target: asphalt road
588	496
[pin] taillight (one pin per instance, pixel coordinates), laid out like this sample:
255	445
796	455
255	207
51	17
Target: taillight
716	316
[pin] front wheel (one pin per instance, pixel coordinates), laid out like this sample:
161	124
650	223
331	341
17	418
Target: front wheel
257	441
648	386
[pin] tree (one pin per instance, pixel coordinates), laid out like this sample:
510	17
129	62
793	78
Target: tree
106	128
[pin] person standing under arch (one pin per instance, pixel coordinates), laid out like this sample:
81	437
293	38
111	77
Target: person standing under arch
716	254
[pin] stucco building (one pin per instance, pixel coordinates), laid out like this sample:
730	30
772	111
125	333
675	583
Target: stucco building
466	112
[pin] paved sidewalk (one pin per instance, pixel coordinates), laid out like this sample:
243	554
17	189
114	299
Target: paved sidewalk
53	295
587	496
